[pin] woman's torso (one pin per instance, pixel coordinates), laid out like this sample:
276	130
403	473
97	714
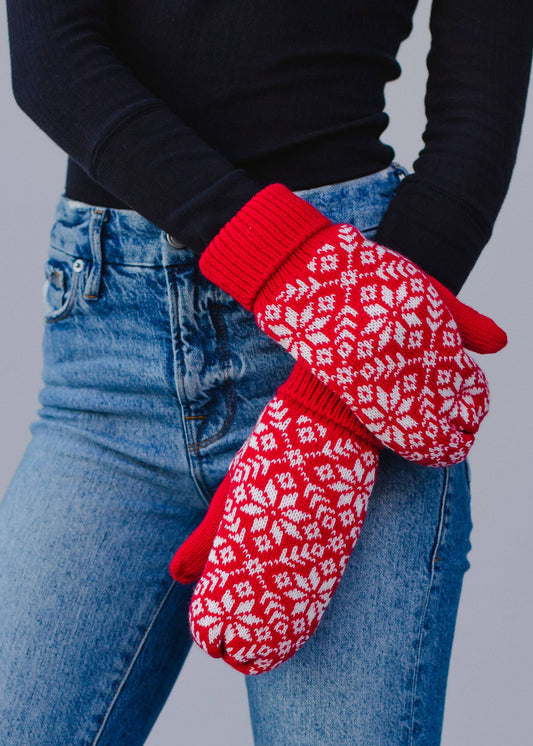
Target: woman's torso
291	92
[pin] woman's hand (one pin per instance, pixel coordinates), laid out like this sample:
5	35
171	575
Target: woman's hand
280	528
365	321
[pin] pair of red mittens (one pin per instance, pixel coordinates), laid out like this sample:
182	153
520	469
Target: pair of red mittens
381	361
281	527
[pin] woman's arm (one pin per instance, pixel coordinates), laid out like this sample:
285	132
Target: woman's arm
68	80
479	63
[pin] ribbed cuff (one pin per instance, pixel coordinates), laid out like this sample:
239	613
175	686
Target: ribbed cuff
312	395
258	238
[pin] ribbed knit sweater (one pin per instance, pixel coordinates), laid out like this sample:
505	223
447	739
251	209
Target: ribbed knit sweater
184	110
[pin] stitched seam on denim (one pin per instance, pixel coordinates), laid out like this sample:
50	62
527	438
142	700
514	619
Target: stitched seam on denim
185	264
69	302
226	424
442	508
228	385
467	473
230	406
173	293
94	277
129	669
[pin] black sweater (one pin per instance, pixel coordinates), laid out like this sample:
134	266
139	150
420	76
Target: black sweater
183	110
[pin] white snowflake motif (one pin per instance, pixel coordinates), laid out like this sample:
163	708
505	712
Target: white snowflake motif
368	257
365	348
415	338
309	594
336	543
330	262
449	338
307	434
365	394
375	318
263	633
324	357
392	316
391	414
283	580
280	628
311	531
349	278
268	442
329	567
263	543
226	555
254	566
368	293
326	303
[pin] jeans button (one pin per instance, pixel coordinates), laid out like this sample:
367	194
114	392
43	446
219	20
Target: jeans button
175	243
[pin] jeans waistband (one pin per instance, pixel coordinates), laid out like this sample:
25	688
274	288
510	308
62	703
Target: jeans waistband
121	236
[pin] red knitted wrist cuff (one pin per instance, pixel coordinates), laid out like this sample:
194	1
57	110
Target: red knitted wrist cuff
312	395
258	238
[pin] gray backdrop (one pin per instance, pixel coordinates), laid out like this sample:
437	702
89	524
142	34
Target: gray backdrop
490	688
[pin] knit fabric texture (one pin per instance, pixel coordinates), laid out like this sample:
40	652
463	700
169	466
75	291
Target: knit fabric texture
303	389
366	321
294	502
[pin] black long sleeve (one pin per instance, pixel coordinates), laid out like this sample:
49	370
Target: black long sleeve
68	78
478	71
182	111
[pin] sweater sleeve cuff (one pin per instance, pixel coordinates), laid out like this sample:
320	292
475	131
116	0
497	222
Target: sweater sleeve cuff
437	231
124	161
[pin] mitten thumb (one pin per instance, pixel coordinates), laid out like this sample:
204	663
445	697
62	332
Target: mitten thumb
190	559
478	332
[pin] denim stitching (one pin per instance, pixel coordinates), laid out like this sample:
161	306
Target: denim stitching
230	406
173	293
93	281
230	397
442	508
122	264
66	309
129	669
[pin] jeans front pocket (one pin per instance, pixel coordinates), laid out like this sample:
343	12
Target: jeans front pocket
63	275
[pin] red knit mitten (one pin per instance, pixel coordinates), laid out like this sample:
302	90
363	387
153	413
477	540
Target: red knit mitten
288	514
478	333
214	616
366	321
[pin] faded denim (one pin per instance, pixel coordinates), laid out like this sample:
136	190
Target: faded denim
153	378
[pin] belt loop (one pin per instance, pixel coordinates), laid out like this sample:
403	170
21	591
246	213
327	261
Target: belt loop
92	286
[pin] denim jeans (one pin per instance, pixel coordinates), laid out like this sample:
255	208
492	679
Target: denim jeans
153	378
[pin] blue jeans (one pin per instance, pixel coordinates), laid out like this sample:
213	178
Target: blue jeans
153	378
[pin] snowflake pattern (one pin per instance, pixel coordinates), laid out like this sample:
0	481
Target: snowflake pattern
291	519
371	326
